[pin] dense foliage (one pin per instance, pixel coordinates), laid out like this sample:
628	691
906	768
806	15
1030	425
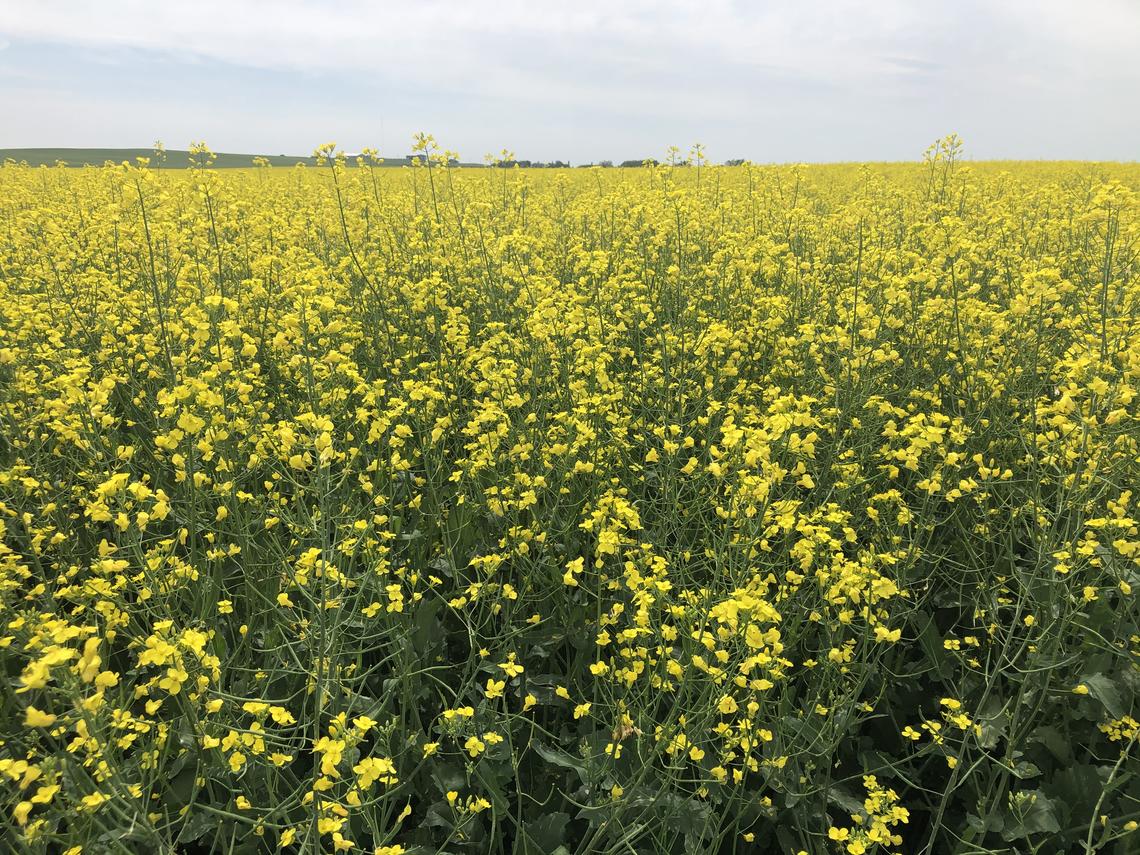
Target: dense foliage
665	509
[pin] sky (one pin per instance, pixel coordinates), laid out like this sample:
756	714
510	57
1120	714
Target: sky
766	80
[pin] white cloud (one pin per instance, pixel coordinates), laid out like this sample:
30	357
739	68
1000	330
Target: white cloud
724	62
486	44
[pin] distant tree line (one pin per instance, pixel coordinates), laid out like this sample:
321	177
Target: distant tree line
533	164
652	161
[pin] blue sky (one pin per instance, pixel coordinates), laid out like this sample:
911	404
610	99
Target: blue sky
784	80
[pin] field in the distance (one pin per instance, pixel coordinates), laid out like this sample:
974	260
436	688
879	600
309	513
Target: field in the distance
169	159
665	510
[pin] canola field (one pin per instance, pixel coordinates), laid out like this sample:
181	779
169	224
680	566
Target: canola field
674	509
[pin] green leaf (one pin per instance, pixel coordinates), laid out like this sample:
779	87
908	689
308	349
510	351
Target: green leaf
1024	769
448	776
560	758
426	635
1038	817
930	639
1104	690
1075	790
439	815
546	834
688	815
994	721
181	787
196	826
1055	741
992	822
844	800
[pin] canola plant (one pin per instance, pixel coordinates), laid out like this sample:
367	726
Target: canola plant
674	509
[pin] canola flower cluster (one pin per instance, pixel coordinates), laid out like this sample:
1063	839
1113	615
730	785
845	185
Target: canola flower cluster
672	509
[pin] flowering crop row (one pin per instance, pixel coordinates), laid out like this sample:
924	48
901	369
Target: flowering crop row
672	509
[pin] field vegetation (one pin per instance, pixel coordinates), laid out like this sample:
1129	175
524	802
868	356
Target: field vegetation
664	509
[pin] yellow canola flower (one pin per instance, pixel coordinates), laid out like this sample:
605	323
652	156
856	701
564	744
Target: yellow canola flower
715	447
373	769
38	718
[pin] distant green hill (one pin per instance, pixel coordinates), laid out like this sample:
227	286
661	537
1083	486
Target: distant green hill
175	159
